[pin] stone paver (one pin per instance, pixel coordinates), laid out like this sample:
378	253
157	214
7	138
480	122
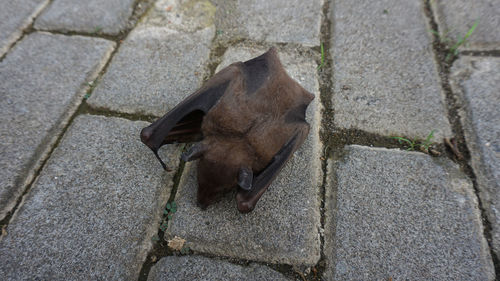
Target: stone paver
291	21
477	82
201	268
455	18
91	16
94	209
16	15
159	64
402	215
283	228
385	79
43	79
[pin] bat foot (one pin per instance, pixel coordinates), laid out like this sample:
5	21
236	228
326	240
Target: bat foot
244	206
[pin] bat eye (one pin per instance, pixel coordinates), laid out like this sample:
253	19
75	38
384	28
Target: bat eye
245	178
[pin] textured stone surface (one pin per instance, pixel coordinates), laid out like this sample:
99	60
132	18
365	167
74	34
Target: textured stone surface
477	82
401	215
283	228
154	70
183	16
455	18
385	79
16	15
284	21
201	268
42	81
159	64
94	209
102	16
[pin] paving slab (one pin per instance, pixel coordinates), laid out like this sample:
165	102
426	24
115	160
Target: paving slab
398	215
283	227
384	76
455	18
159	64
91	16
275	21
42	81
476	81
201	268
16	16
93	210
183	16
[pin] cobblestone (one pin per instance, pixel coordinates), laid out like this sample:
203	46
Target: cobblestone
42	82
94	209
401	215
477	82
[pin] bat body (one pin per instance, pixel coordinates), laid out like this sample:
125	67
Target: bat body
248	120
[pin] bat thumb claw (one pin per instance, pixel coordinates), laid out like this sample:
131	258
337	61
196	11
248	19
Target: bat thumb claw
245	178
193	153
161	161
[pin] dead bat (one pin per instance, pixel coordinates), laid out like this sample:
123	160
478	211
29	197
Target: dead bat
248	119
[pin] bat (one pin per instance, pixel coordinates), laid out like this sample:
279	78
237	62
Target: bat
246	122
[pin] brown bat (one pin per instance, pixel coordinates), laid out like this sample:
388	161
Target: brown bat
249	119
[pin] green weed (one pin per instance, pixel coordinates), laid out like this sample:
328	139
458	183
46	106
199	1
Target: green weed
322	57
454	45
413	144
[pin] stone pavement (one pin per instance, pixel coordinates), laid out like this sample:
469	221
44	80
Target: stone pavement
81	198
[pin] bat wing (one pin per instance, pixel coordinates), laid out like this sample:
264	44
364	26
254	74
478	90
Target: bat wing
183	122
247	199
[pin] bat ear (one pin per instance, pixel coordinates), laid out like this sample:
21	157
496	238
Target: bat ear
194	152
245	178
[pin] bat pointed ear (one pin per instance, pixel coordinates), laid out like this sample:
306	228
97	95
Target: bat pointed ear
194	152
245	178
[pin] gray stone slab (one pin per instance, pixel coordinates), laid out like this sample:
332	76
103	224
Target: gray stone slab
277	21
201	268
159	64
455	18
476	81
385	79
91	16
401	215
183	16
16	16
283	228
42	82
93	210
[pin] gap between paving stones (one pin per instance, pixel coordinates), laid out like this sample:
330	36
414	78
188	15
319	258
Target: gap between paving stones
334	142
25	29
82	107
331	143
453	107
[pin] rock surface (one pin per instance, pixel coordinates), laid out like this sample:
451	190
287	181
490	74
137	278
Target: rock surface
477	82
201	268
94	208
455	18
384	76
16	16
401	215
161	62
43	80
277	21
91	16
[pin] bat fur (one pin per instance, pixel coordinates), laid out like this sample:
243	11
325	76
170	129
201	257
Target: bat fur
248	120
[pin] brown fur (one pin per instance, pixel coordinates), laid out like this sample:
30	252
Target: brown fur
246	126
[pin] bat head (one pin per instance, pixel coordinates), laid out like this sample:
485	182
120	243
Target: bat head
224	164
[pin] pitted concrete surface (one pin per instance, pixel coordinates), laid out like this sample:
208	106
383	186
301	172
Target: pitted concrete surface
82	198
